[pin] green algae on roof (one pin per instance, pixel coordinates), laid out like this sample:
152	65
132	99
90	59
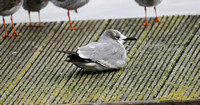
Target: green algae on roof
163	64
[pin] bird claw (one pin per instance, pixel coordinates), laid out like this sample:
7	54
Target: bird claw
15	34
36	25
30	25
146	24
158	21
7	35
41	25
75	28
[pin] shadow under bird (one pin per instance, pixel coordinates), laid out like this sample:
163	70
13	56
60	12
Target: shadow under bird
70	5
108	53
9	7
35	6
149	3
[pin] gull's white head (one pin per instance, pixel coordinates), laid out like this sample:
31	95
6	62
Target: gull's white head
115	35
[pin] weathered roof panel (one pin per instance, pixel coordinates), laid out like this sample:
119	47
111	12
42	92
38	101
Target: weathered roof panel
163	64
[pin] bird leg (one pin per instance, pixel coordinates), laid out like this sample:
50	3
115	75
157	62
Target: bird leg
14	31
146	24
30	24
34	25
73	28
76	10
40	24
6	34
157	20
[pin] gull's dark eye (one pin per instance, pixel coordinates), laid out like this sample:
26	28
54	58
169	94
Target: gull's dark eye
117	37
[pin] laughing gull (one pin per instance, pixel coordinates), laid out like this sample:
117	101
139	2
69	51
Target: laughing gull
9	7
70	5
108	53
35	5
149	3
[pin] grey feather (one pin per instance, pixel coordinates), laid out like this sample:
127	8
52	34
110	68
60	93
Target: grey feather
148	3
107	54
113	56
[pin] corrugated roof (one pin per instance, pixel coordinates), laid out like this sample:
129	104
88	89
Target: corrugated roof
164	63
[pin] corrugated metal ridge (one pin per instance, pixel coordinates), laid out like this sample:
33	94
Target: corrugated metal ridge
163	63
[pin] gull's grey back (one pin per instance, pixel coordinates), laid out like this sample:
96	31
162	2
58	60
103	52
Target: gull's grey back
34	5
109	54
8	7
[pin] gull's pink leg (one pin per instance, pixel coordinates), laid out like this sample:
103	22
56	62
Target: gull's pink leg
146	24
73	28
14	31
6	34
157	20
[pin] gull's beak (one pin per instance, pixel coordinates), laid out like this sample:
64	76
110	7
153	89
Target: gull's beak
130	38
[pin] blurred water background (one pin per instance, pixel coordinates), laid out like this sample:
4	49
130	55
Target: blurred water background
109	9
